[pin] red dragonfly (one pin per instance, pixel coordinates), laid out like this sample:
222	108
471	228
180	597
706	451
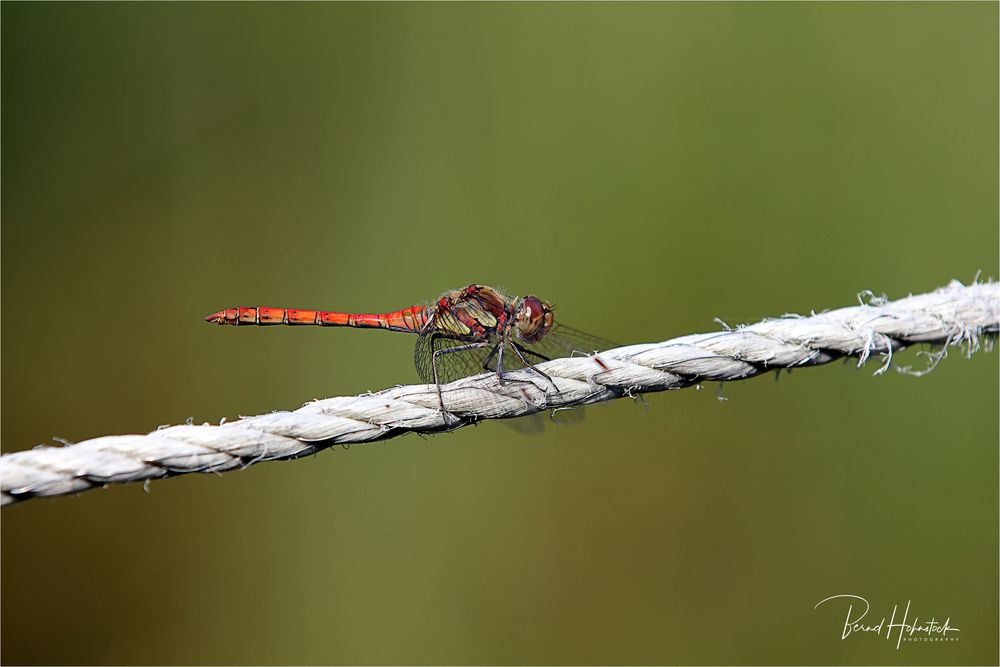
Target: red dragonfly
464	332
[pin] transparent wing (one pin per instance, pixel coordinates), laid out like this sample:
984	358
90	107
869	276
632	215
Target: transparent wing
450	366
474	359
561	341
564	341
537	423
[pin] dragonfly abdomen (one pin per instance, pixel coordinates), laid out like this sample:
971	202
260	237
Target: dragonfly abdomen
408	319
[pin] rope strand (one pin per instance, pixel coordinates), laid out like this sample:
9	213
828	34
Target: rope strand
950	316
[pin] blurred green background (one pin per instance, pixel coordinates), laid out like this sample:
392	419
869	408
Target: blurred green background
647	167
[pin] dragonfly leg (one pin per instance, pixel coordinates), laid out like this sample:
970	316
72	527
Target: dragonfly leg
520	352
489	357
503	376
525	350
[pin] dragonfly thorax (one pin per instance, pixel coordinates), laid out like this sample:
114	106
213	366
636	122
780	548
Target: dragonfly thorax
533	319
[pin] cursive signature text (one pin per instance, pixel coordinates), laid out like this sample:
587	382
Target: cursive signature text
856	622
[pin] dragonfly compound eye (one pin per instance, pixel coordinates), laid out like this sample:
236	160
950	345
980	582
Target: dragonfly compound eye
534	319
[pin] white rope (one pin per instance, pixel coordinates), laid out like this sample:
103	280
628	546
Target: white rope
949	316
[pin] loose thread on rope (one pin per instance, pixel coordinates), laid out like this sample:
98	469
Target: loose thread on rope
952	316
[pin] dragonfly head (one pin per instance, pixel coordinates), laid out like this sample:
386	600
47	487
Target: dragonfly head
533	319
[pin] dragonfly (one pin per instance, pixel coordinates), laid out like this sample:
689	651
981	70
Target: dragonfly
464	332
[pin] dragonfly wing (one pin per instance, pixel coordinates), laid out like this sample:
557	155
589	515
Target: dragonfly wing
536	424
561	341
564	341
450	366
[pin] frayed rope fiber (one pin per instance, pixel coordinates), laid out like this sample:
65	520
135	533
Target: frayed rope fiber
956	315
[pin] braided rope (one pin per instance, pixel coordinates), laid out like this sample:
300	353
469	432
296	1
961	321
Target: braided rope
948	316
